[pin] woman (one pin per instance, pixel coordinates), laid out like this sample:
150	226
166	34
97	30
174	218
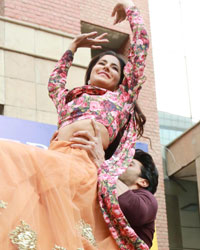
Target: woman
135	187
62	212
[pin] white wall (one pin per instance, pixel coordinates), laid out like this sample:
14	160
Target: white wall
176	52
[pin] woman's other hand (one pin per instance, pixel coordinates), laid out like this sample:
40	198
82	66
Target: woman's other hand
92	144
88	40
119	11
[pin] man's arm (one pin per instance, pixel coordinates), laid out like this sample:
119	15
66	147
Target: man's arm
139	207
92	144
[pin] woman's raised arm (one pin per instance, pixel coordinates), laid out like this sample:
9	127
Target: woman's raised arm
57	80
134	69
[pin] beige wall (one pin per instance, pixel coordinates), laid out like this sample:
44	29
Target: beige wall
188	142
197	161
183	219
28	54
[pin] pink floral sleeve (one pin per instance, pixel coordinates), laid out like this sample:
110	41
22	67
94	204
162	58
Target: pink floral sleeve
125	237
134	69
57	80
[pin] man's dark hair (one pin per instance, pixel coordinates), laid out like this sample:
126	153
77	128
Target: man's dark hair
148	169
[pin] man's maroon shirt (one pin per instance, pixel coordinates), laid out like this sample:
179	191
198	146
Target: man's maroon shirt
140	208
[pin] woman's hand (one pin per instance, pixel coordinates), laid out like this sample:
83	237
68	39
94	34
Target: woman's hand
92	144
88	40
119	11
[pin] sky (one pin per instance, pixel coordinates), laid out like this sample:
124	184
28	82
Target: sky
176	53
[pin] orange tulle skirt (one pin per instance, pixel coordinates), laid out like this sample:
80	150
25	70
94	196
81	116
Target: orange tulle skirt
48	199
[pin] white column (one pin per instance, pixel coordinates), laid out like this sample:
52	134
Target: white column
198	176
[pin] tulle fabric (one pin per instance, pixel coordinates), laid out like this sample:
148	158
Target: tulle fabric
55	192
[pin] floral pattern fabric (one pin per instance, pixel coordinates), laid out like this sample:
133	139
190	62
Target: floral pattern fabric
124	235
112	109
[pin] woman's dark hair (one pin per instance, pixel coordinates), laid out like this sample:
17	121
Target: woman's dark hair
140	120
139	117
98	57
148	169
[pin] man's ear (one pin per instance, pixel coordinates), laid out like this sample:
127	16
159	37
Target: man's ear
142	182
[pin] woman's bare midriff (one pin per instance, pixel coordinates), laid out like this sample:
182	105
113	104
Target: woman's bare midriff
66	132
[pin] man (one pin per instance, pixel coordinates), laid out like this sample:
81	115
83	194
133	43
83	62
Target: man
135	187
135	190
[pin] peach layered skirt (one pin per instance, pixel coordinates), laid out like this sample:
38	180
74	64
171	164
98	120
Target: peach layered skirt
48	199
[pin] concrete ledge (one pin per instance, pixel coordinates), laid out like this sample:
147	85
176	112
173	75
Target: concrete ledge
183	150
35	26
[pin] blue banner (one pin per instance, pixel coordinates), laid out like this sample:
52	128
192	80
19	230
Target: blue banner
33	133
28	132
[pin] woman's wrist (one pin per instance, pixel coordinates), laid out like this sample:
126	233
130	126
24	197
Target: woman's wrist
128	4
73	47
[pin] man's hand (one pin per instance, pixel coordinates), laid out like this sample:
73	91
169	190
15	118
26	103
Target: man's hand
88	40
93	144
119	11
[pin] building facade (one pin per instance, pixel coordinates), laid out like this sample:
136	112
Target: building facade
35	34
179	139
172	126
182	185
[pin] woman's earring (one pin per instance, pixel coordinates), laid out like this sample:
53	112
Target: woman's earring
88	82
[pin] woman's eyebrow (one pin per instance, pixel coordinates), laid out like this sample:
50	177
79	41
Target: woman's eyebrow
104	60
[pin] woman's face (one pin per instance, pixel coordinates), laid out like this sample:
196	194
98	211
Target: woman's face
106	73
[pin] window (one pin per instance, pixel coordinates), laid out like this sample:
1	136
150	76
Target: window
1	109
117	39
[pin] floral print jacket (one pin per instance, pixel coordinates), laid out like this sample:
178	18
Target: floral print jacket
112	109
